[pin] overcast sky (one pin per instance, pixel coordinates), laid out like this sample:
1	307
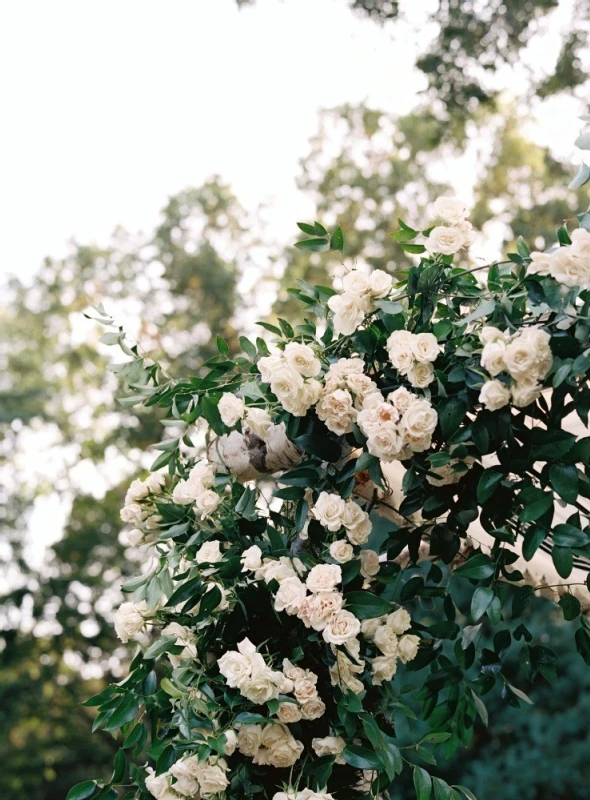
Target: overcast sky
109	107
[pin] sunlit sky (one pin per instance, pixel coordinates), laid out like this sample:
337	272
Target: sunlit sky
109	107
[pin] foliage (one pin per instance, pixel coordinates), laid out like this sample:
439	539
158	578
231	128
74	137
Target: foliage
265	673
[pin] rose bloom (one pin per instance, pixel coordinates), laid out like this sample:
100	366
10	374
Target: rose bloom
361	532
425	347
289	713
314	708
540	263
293	672
185	771
231	409
286	383
445	241
258	421
349	312
520	357
494	395
323	577
450	210
360	385
352	515
369	563
341	551
384	668
231	742
399	621
385	444
260	687
207	501
386	640
129	620
421	374
419	420
580	242
329	510
379	284
212	778
134	537
568	268
492	357
290	595
342	627
251	558
249	739
209	553
337	410
186	492
407	648
137	491
401	398
369	626
159	786
372	400
322	606
329	746
235	668
399	348
267	366
489	333
355	282
302	358
344	367
134	513
525	392
203	474
305	687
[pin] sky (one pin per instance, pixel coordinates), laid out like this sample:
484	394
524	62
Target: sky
109	107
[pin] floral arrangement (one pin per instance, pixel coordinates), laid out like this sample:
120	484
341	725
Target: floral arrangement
318	615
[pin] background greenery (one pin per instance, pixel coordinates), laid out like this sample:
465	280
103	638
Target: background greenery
183	282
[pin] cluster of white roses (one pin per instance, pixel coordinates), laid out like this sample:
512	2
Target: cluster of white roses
525	356
334	513
399	426
456	233
189	777
185	639
130	620
570	264
292	377
387	634
232	408
345	388
197	489
413	354
139	510
272	745
356	300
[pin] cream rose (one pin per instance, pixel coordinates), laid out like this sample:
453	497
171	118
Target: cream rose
209	553
329	510
342	627
407	648
425	347
235	668
492	357
349	312
289	713
450	210
159	786
369	563
341	551
337	410
360	533
313	709
383	668
380	283
421	374
419	420
212	779
267	365
137	491
401	398
520	357
249	739
525	392
355	282
399	348
540	263
568	268
322	606
323	577
386	640
129	620
231	409
399	621
207	501
494	395
290	595
258	421
329	746
491	334
445	241
251	558
303	359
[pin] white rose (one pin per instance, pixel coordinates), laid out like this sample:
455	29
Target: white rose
249	739
185	771
303	359
369	563
399	348
401	398
341	551
399	621
494	395
231	409
312	391
491	334
421	374
260	687
202	474
355	282
425	347
212	779
342	627
492	357
235	668
134	537
251	558
322	607
349	312
407	648
372	401
383	668
185	492
290	595
580	242
159	786
289	713
344	367
267	366
286	383
155	482
386	443
569	268
305	687
207	501
324	577
369	627
520	357
419	420
137	491
313	709
276	570
450	210
361	532
133	513
445	241
379	284
540	263
329	510
209	553
386	640
469	234
525	392
129	620
258	421
231	742
361	385
337	410
329	746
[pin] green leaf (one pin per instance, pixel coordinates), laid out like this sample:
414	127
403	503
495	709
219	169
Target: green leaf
583	644
81	790
309	229
442	790
450	415
582	177
564	479
248	347
162	645
210	412
570	606
126	711
477	567
120	767
520	694
563	236
467	792
563	561
482	597
222	346
337	240
412	248
361	757
366	605
248	718
422	783
313	245
484	309
569	536
184	591
134	737
488	483
320	446
480	708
